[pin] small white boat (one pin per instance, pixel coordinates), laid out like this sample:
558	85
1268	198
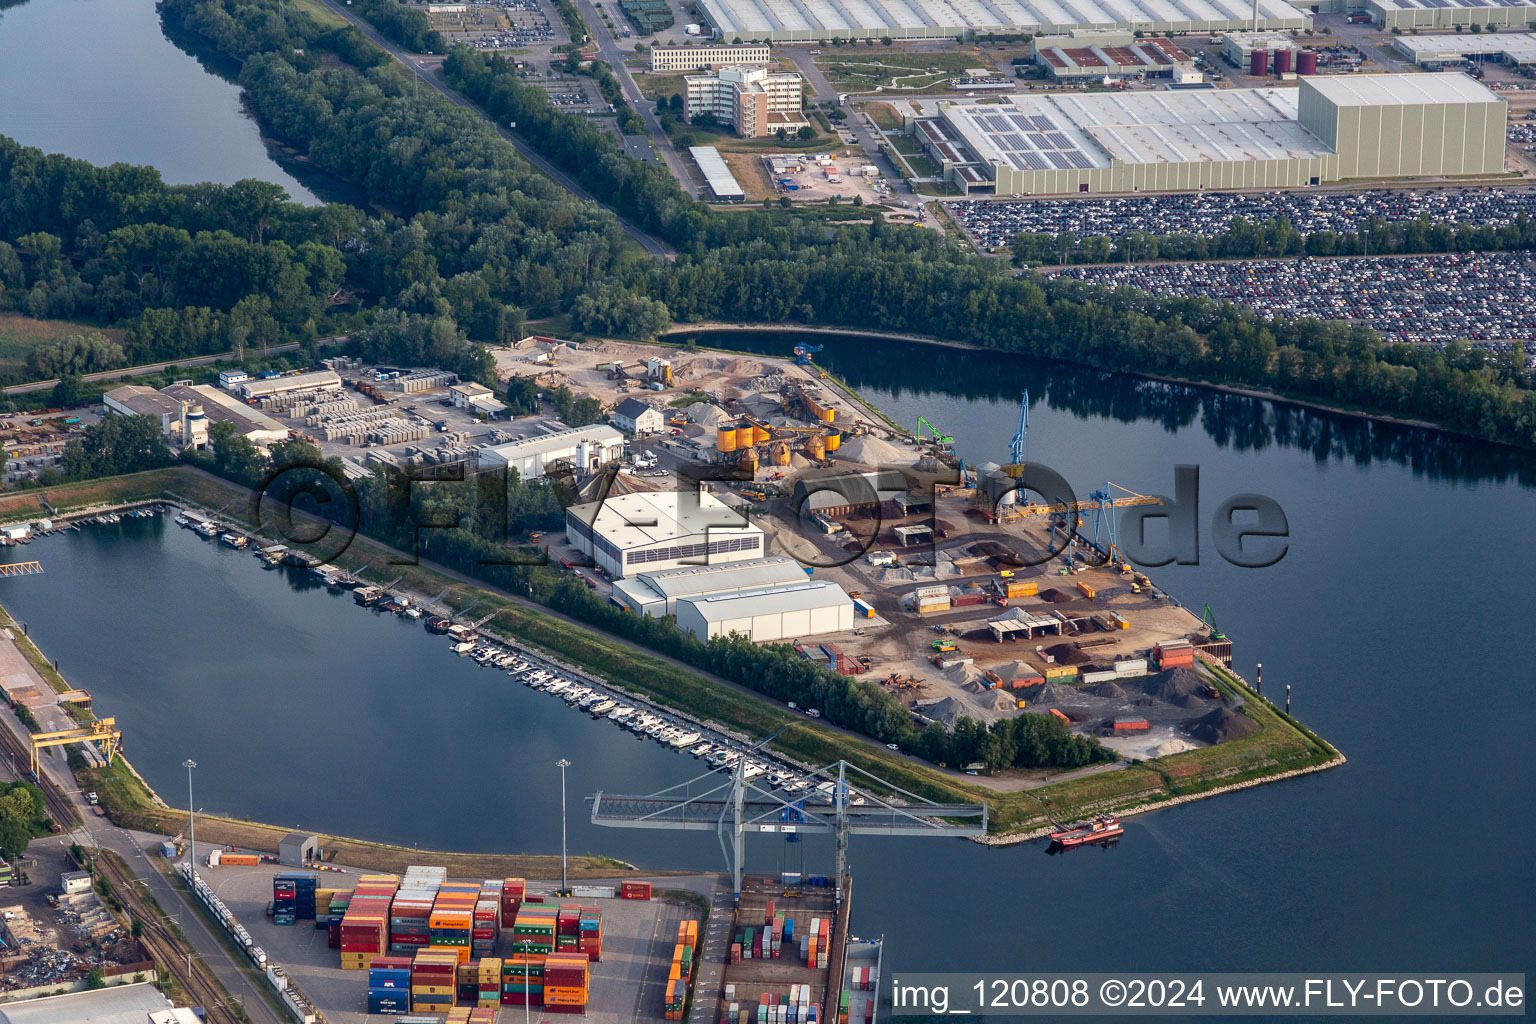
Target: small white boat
558	686
702	749
684	739
604	706
463	648
621	714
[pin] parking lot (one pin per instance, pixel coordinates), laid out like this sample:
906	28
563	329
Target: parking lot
993	224
507	24
1480	297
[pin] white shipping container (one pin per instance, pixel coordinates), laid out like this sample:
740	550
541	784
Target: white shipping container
939	590
1105	676
1131	667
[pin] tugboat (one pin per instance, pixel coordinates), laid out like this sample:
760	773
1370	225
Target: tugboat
1100	829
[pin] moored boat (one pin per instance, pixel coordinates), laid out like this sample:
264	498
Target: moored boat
1100	829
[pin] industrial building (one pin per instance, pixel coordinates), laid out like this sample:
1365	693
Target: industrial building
1392	126
1517	49
718	178
657	593
1116	55
1327	129
219	407
637	417
672	59
186	412
813	21
808	608
840	494
1411	14
119	1004
755	101
652	530
476	397
1237	47
267	387
581	448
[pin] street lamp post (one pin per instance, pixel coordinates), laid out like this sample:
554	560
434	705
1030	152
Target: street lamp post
189	764
562	764
526	944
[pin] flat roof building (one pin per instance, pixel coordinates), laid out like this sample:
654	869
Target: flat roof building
755	101
656	593
672	59
722	184
120	1004
583	448
315	380
1518	48
1327	129
1117	55
808	608
220	407
1238	47
1410	14
652	530
810	22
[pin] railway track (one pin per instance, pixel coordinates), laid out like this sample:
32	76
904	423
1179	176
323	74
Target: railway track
170	952
59	807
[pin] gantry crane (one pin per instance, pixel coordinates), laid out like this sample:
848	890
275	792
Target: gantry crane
103	731
21	569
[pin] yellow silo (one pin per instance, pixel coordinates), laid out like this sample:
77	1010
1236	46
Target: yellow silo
749	460
816	447
781	454
759	434
833	441
725	438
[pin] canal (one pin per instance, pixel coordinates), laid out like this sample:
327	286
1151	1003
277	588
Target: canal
97	80
1397	615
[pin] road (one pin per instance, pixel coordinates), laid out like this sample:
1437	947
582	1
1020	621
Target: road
608	49
146	368
418	67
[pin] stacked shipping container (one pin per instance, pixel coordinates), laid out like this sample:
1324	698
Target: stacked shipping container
433	973
365	928
389	984
681	972
565	983
512	892
635	890
1174	654
522	980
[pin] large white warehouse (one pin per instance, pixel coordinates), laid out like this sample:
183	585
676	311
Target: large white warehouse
773	614
654	530
1327	129
657	593
584	448
809	21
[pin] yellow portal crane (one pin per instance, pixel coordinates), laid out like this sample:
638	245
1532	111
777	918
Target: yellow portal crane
21	569
103	731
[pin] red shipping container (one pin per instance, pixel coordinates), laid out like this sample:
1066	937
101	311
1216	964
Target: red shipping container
635	890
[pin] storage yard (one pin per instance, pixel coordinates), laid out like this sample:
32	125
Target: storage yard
993	224
1480	297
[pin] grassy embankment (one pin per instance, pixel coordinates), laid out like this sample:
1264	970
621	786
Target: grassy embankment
19	335
1278	747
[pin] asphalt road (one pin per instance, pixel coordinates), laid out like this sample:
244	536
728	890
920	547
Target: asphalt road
609	50
653	245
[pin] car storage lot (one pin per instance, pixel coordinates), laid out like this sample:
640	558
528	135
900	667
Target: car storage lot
992	224
1480	297
626	985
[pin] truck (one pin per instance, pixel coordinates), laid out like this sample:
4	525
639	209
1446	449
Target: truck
813	713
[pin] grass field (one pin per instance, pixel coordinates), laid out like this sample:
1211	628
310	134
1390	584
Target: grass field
884	115
19	335
901	71
1279	746
655	87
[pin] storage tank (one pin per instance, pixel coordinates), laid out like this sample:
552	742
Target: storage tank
833	441
781	454
1258	63
1282	62
1306	62
725	438
759	434
749	460
816	447
584	455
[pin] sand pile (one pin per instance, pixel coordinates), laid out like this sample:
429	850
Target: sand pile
1173	746
1221	725
1066	654
1054	693
1170	685
1055	596
948	711
870	451
705	414
1110	690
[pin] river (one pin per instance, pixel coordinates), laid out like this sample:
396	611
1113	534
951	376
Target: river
1396	615
97	79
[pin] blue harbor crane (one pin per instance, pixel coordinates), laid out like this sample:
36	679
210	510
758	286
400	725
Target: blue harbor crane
804	352
1020	442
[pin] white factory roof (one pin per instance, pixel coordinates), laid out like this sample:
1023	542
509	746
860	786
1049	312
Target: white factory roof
744	604
560	440
1062	131
948	17
120	1004
643	518
291	382
144	401
219	407
1519	45
1390	90
716	174
755	573
1429	5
